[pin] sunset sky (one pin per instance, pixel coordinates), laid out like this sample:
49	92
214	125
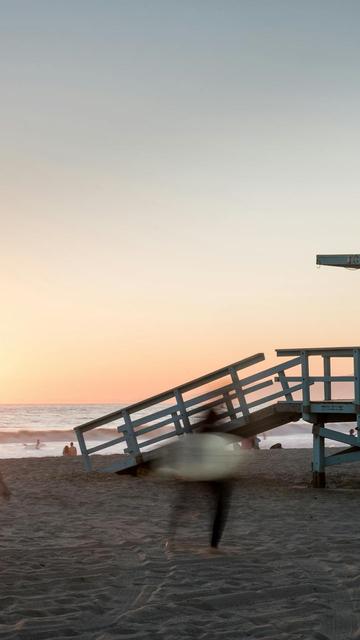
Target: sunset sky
169	171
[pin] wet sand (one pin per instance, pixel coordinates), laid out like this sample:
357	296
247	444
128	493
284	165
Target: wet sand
82	556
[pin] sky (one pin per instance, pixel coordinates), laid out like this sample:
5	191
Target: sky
169	171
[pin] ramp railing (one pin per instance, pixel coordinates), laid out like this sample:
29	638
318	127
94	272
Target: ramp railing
148	423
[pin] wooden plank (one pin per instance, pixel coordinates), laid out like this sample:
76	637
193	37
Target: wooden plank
331	434
84	452
105	445
347	260
333	352
131	441
182	409
332	407
270	371
320	379
341	458
230	407
285	386
357	388
239	392
164	436
273	396
220	373
306	384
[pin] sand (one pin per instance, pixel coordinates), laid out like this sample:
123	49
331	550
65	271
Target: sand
82	556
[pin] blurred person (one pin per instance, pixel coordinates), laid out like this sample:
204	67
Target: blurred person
201	461
66	450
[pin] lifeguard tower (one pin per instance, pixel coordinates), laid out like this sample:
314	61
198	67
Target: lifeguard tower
238	393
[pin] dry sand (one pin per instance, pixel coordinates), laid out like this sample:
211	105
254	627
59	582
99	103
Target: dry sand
82	556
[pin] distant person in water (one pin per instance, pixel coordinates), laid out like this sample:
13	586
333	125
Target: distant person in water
352	432
38	444
66	450
72	450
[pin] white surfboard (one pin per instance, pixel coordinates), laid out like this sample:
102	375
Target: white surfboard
200	457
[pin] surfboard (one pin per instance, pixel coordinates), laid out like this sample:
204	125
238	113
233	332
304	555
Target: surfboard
200	457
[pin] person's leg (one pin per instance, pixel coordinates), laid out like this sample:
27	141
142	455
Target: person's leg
221	494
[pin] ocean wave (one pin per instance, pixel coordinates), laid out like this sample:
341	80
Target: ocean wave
53	435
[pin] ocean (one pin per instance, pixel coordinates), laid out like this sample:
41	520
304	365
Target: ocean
22	425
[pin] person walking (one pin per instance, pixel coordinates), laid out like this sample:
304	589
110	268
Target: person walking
217	485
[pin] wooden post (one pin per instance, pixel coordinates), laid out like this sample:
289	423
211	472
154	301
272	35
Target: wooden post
285	386
177	424
318	465
306	386
131	441
229	406
327	383
356	356
83	449
182	408
239	392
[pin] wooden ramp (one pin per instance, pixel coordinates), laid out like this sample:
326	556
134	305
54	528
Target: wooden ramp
240	401
237	392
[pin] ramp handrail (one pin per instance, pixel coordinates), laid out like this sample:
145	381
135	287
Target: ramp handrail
178	417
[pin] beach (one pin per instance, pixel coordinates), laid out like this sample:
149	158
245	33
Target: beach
83	555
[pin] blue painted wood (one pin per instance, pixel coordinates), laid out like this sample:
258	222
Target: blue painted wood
333	352
327	375
285	386
320	379
318	453
239	392
337	436
336	406
306	386
106	445
130	436
357	388
341	458
182	409
347	260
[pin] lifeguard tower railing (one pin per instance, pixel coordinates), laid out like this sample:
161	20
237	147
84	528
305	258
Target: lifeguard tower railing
145	425
329	409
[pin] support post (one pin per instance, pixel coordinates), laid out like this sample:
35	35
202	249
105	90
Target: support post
318	465
285	386
83	449
327	373
177	424
229	406
131	441
182	408
239	392
306	386
356	356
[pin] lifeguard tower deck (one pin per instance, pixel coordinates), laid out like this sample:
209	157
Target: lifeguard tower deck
240	394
